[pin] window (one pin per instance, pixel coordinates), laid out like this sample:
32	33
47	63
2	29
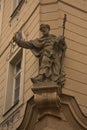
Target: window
16	3
17	77
14	80
16	6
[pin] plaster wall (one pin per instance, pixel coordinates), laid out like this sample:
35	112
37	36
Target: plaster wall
29	17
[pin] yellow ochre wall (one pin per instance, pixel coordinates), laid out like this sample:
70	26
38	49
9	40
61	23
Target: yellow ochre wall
29	17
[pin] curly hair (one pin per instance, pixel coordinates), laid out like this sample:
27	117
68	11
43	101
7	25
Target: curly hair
44	25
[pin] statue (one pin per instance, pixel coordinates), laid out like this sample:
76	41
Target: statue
50	50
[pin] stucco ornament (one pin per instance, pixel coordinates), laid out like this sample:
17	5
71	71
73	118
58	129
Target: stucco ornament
50	50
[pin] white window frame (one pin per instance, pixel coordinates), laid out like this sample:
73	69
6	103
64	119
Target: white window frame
13	106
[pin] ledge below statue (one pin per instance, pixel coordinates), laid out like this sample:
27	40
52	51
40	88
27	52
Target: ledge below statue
46	95
68	117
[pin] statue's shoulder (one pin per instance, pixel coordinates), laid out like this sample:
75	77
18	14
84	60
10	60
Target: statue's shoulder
52	35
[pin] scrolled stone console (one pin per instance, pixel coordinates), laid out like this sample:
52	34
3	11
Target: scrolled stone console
49	109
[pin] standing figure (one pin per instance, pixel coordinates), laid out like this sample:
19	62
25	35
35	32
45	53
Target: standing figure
50	50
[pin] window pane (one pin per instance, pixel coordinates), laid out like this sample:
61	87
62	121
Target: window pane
18	66
13	80
16	96
17	81
17	87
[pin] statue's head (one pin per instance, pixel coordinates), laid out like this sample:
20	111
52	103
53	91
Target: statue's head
45	28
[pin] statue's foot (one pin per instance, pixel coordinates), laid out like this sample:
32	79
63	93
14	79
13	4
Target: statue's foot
37	79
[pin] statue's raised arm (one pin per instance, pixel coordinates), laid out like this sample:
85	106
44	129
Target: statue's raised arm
18	38
49	50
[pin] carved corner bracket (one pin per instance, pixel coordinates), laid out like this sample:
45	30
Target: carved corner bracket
47	100
48	103
46	96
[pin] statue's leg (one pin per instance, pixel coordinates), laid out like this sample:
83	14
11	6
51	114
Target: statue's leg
45	68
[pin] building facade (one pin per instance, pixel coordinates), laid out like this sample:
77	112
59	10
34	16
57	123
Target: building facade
18	65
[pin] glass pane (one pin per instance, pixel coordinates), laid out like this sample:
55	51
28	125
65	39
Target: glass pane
17	88
17	81
16	96
18	66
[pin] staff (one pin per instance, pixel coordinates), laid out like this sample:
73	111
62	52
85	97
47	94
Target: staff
63	54
64	21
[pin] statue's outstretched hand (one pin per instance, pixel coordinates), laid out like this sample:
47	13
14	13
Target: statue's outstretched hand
17	36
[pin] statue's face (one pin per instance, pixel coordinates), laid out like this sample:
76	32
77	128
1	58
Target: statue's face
45	30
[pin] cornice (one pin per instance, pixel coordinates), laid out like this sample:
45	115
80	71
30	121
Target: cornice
70	3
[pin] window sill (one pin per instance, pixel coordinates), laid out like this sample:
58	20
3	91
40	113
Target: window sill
9	116
11	108
17	9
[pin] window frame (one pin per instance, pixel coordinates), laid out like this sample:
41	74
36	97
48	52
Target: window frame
14	81
17	8
13	106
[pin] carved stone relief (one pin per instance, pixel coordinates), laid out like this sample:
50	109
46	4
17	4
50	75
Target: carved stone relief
50	50
9	122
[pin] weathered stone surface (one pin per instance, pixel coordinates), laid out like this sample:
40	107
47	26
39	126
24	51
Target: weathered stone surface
50	50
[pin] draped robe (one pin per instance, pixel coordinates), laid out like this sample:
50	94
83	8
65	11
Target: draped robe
50	50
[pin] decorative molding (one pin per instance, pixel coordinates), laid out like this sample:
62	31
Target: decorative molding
16	11
46	96
66	3
10	120
69	115
74	5
75	109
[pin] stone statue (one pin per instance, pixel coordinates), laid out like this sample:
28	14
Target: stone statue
50	50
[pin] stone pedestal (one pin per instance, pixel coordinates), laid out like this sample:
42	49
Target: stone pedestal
46	96
51	110
48	103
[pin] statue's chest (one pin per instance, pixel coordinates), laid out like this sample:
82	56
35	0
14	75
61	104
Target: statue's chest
48	42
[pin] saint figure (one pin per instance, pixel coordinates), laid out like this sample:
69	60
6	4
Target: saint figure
50	50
